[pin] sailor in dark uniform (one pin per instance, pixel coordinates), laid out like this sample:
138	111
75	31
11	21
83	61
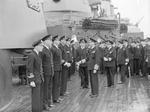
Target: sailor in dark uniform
35	75
109	62
69	57
101	55
137	56
122	60
48	71
73	50
143	63
81	59
57	60
147	57
130	56
65	66
93	66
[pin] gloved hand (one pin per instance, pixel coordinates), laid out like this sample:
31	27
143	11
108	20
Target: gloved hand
94	71
32	84
109	59
83	61
69	64
105	59
146	60
96	66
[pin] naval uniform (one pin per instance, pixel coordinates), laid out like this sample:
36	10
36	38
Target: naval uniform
130	56
48	72
70	60
73	66
110	54
83	73
101	64
35	67
142	60
93	59
65	69
121	62
144	63
147	58
136	60
57	60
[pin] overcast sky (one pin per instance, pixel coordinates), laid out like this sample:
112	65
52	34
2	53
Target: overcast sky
135	10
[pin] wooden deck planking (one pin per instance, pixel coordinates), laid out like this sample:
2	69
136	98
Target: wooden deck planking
133	96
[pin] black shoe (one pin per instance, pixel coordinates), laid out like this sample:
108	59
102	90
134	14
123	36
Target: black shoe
93	96
112	86
60	99
56	101
121	82
66	93
90	94
47	108
61	94
51	105
86	87
109	86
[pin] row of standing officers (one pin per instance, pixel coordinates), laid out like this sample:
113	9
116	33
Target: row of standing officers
49	68
54	59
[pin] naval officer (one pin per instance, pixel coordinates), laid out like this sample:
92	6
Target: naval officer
57	60
35	75
109	62
93	61
81	58
48	71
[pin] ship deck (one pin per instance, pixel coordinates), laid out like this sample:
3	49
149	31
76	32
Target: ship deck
133	96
